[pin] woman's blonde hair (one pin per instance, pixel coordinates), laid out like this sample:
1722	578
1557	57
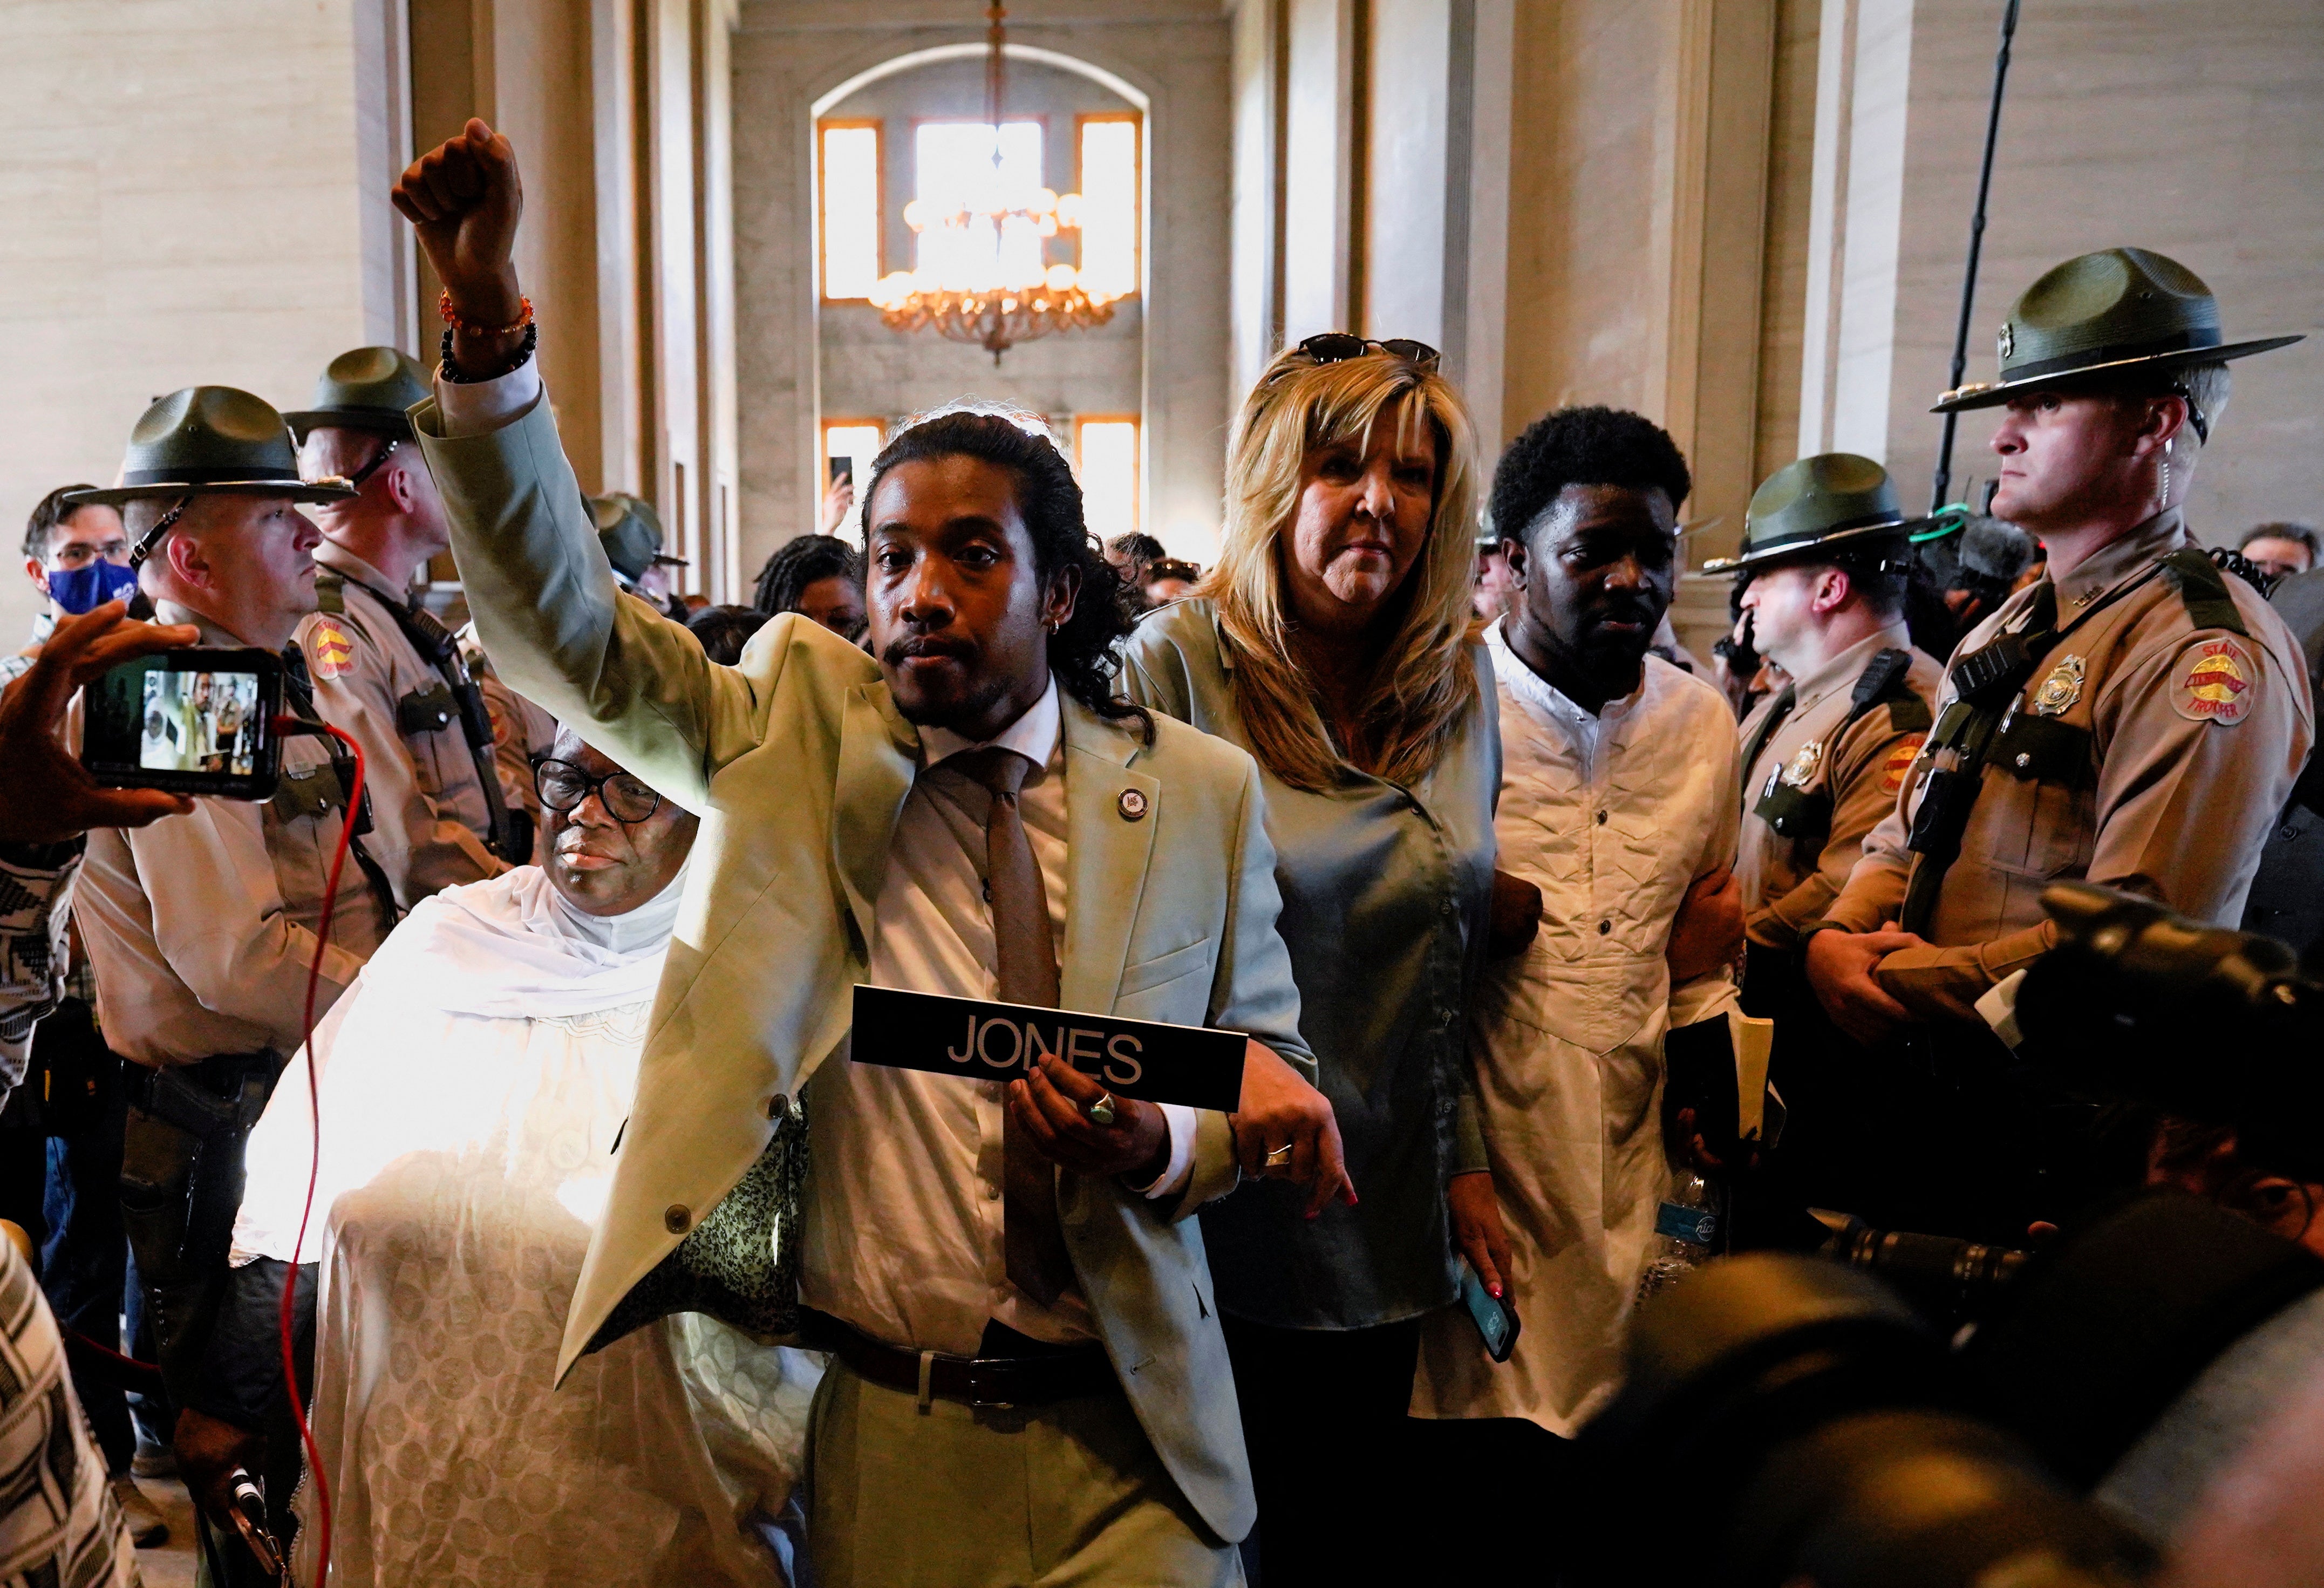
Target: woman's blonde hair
1423	681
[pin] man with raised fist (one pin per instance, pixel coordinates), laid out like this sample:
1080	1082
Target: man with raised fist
1030	1383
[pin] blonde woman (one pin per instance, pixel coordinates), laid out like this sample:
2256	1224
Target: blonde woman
1333	642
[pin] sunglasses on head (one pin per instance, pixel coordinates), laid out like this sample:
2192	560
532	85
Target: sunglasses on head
1338	346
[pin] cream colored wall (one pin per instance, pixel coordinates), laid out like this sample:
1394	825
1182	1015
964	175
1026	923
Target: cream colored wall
180	184
1173	53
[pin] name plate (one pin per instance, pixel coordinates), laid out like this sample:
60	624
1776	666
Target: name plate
984	1041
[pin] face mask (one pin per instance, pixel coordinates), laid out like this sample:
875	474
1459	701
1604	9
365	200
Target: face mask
85	589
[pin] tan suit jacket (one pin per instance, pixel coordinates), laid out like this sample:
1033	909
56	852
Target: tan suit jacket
799	764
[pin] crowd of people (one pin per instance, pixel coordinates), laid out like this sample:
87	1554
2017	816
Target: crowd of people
611	1248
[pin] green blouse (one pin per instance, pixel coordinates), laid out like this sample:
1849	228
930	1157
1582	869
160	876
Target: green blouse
1385	893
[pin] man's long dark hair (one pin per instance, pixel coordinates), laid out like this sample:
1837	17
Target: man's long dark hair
1082	653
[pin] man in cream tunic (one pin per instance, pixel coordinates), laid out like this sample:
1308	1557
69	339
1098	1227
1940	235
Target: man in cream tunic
1618	794
839	844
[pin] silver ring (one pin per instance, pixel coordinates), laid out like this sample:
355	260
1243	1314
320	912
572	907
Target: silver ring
1280	1157
1101	1111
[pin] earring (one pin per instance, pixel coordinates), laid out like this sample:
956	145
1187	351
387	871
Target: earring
2166	476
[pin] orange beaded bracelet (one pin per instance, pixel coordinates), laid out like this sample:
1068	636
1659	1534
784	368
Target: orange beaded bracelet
444	308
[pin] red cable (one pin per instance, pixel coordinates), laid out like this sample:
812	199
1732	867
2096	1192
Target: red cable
314	1169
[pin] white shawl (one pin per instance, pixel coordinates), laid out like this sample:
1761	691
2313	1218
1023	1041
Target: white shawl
474	1081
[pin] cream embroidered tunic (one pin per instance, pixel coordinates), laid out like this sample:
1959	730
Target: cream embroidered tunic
1613	817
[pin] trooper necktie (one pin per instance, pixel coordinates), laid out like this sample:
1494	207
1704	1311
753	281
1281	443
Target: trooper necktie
1757	743
1026	951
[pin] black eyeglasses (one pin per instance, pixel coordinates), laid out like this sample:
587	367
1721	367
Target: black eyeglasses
1338	346
562	786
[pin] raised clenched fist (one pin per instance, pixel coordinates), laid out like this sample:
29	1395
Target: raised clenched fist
464	198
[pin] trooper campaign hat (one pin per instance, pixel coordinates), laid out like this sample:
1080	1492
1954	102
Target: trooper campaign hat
203	441
208	440
2118	311
631	532
369	388
1815	507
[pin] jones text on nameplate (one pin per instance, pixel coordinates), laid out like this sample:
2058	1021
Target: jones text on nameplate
989	1041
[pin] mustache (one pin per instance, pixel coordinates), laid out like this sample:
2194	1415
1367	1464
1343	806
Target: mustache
899	650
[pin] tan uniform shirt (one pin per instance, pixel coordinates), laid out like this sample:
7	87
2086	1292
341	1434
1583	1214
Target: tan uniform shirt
202	926
2196	737
1788	882
426	801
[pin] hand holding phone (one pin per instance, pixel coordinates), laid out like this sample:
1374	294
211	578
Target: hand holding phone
48	797
198	721
1496	1318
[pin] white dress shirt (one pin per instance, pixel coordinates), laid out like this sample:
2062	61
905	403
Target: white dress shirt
902	1213
1613	815
902	1232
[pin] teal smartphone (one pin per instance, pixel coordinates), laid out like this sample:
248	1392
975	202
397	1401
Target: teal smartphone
1495	1317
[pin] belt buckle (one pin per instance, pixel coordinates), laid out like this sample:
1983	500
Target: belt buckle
982	1373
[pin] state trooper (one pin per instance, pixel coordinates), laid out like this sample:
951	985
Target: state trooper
2134	717
630	530
1823	566
384	667
202	927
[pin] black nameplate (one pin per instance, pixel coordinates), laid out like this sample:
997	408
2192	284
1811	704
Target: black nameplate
983	1041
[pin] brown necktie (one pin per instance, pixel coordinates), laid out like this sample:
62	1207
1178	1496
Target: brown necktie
1027	953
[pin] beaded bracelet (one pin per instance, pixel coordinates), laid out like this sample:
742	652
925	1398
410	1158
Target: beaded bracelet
451	371
453	319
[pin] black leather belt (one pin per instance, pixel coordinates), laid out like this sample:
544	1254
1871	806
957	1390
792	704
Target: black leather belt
1040	1375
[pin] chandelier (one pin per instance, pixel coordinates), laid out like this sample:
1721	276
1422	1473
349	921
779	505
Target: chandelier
980	278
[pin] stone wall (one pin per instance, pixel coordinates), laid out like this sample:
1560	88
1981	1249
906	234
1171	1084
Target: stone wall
1172	54
2125	123
184	207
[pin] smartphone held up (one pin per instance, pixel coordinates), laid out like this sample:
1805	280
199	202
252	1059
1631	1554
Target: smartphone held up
198	721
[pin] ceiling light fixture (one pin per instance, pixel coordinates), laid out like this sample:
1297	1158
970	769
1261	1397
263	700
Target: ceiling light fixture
973	286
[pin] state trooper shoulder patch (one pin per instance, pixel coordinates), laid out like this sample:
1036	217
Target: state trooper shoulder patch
329	650
1899	763
2212	683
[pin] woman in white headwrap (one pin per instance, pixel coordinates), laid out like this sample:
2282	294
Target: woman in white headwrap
474	1083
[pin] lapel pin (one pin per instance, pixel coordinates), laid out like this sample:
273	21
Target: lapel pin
1132	805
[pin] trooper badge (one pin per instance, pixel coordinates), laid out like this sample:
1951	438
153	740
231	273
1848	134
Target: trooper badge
2061	689
1803	767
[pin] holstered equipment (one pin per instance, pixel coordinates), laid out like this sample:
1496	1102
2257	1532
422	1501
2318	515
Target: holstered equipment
1985	728
1803	815
426	711
181	1182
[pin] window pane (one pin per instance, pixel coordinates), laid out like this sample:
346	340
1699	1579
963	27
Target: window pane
1109	180
953	170
858	444
1108	459
851	211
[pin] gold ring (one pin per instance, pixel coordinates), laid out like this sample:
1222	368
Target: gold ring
1280	1157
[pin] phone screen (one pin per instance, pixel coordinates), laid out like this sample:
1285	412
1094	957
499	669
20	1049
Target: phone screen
198	721
841	467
